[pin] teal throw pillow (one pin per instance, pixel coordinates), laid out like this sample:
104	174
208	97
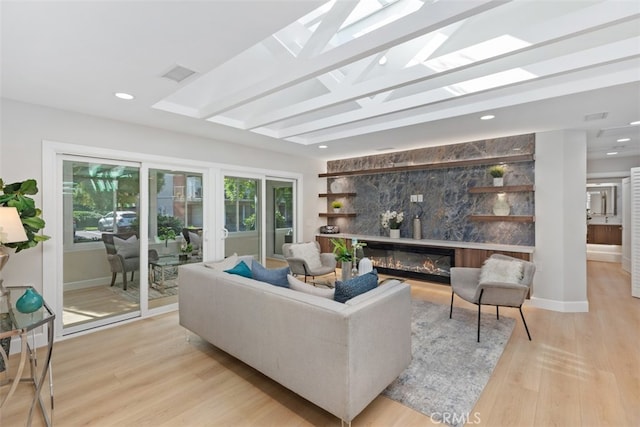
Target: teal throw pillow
344	291
274	276
241	269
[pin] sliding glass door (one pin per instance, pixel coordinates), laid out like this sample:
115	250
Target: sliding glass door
242	216
280	215
176	220
101	256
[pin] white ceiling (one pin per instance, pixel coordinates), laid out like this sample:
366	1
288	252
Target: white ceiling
301	89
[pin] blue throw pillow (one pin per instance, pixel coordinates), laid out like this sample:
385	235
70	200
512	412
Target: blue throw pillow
275	276
241	269
356	286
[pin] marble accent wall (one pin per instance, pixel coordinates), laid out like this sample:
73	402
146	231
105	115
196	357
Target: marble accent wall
447	201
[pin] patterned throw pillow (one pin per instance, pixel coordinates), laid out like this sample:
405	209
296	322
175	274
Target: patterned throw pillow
309	253
501	271
127	248
356	286
274	276
241	269
300	286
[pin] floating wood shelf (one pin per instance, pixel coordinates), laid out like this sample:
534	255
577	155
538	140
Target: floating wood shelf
506	218
503	189
440	165
336	194
338	214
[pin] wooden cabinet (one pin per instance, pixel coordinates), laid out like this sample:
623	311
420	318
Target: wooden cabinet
604	234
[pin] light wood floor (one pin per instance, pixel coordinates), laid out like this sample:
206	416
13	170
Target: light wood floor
581	369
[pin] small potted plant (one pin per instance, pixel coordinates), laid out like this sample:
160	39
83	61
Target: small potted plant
343	255
185	251
336	205
165	234
497	172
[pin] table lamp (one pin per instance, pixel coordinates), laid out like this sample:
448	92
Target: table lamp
11	231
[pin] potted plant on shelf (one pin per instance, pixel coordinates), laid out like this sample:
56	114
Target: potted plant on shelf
336	205
497	172
392	221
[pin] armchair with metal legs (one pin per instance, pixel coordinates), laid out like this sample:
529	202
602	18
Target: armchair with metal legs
465	282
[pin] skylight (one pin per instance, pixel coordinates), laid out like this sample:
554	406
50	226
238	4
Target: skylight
490	81
478	52
367	16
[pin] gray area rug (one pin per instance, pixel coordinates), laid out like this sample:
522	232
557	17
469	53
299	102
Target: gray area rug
449	369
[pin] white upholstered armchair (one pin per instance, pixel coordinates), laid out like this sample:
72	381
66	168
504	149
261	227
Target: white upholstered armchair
305	259
502	281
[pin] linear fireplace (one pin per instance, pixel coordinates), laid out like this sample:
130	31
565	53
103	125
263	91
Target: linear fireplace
415	261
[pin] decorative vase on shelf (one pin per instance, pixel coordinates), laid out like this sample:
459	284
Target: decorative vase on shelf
336	210
29	302
394	233
501	207
346	270
417	228
498	182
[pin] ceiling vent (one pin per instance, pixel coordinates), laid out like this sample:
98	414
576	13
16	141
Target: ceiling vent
178	73
595	116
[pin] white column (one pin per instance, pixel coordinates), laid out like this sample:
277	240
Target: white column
560	282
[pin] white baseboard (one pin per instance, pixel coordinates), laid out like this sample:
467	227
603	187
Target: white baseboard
90	283
561	306
606	253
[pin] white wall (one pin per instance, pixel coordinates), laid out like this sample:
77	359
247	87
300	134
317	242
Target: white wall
23	127
613	167
560	282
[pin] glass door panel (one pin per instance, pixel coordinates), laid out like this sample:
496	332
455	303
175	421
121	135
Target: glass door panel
175	230
280	214
101	263
242	216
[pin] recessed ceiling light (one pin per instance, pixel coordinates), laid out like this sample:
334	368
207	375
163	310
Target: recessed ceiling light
623	139
636	123
488	117
323	146
123	95
612	153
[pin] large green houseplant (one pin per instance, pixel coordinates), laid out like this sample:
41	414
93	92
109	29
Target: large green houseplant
17	195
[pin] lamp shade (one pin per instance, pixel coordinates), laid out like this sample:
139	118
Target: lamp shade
11	229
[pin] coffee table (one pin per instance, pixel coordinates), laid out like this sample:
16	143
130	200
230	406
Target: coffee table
166	268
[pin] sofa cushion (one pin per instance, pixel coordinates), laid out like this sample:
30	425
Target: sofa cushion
274	276
300	286
241	269
225	264
309	252
344	291
501	270
127	248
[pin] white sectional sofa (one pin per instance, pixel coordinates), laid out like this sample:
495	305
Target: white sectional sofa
338	356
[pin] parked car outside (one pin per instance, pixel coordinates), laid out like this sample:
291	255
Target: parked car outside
124	219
